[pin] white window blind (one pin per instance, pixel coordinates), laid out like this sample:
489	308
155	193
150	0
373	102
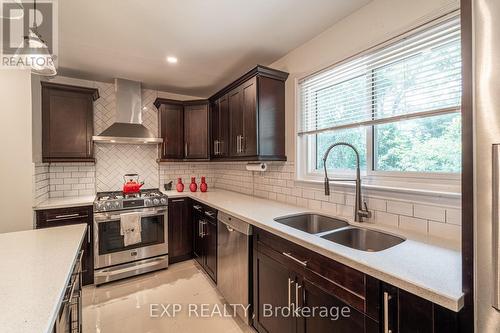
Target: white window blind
418	75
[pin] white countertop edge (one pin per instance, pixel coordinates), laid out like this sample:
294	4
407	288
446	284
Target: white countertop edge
64	202
57	306
452	302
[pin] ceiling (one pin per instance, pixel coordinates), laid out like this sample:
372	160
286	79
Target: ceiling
215	41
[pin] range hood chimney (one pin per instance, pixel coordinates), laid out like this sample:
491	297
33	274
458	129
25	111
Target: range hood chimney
127	128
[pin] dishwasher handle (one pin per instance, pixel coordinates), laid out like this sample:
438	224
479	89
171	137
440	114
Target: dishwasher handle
234	224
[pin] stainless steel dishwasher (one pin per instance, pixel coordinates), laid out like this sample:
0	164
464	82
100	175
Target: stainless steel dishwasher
233	264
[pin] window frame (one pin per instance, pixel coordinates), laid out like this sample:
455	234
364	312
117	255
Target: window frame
447	181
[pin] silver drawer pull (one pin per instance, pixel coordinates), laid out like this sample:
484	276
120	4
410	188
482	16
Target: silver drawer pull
289	255
178	200
197	207
66	217
209	214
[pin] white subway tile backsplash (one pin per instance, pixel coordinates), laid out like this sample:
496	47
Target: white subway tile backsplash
429	212
444	230
454	216
413	224
400	208
337	198
314	205
384	218
377	204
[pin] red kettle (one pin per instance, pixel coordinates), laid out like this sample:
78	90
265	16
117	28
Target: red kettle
132	184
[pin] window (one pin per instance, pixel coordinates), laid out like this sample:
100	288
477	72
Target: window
399	105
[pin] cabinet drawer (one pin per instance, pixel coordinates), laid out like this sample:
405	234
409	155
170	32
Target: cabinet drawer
45	218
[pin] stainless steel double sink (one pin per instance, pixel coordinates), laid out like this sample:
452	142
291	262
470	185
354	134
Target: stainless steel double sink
341	232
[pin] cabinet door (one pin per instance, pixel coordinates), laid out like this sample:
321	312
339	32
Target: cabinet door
340	318
235	122
273	289
67	118
210	248
180	230
220	127
171	130
196	131
197	238
249	111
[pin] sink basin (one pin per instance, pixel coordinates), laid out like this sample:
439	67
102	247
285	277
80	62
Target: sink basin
312	223
364	239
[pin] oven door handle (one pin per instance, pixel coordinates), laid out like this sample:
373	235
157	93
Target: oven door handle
103	217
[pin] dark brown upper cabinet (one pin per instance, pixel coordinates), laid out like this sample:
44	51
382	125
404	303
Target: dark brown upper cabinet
196	129
255	114
67	122
171	129
184	128
220	128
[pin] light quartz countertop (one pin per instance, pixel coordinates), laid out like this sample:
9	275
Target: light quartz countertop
428	267
65	202
35	268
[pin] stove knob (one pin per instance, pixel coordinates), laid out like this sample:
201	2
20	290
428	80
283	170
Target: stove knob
116	204
147	202
98	206
107	206
156	201
163	201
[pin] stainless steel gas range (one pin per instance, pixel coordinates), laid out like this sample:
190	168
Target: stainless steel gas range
112	259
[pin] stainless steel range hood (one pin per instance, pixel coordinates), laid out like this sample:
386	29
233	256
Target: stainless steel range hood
127	128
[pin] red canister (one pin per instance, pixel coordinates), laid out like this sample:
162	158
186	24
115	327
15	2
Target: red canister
180	185
203	185
193	187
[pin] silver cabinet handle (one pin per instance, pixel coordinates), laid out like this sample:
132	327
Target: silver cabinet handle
209	214
88	234
297	287
290	282
301	262
218	148
496	226
215	147
177	200
243	144
66	217
185	149
164	147
387	297
89	145
197	207
200	233
238	144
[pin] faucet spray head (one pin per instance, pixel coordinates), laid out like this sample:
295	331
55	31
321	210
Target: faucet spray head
327	186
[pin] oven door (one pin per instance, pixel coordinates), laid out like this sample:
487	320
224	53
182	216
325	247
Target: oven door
109	248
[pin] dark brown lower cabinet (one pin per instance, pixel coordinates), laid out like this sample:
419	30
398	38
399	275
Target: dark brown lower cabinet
271	293
409	313
298	290
73	215
205	238
180	230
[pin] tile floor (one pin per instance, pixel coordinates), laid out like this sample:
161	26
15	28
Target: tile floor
124	306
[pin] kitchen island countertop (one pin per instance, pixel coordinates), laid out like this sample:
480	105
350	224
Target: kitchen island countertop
35	269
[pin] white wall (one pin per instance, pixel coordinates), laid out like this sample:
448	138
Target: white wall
16	166
371	25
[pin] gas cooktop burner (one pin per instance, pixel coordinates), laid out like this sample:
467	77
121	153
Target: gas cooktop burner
108	201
